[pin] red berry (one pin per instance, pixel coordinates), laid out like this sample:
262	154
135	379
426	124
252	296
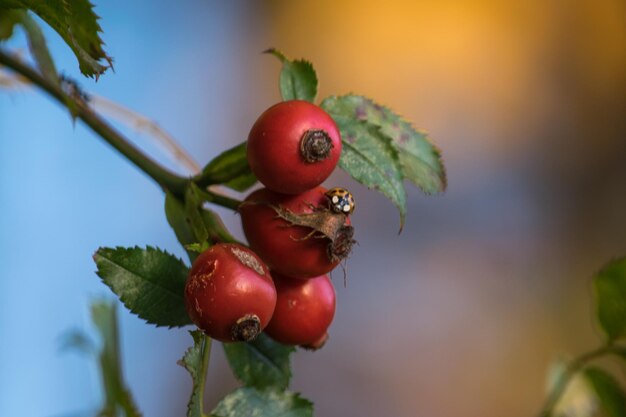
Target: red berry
229	293
293	146
304	310
287	249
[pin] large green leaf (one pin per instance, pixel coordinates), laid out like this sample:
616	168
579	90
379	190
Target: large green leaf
150	283
298	80
229	168
76	22
261	363
195	361
116	394
610	298
610	393
247	402
420	160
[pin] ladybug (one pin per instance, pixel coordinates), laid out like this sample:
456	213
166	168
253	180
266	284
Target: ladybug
341	200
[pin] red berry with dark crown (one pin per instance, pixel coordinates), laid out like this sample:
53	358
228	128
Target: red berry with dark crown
294	250
229	293
293	147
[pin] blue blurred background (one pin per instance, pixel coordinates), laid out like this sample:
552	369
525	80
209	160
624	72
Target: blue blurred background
460	315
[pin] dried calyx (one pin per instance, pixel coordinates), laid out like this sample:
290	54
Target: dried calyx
247	328
326	224
315	145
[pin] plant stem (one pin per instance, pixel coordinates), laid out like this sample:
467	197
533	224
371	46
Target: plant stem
162	176
206	354
566	377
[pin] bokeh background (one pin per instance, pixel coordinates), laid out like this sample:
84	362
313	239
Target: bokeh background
460	315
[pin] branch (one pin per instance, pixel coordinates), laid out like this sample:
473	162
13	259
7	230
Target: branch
79	109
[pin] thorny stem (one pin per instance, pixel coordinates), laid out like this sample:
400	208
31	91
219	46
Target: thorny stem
166	179
566	377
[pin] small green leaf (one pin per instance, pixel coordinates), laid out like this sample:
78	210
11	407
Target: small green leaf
197	247
150	283
261	363
39	49
242	182
77	24
9	18
298	80
193	214
610	298
181	224
578	399
117	395
610	393
177	219
195	361
36	41
420	160
245	402
229	168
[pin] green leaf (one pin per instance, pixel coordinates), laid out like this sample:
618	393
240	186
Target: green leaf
150	283
368	155
177	219
298	80
104	316
420	160
245	402
197	247
610	298
193	214
578	398
242	182
229	168
39	49
181	224
76	22
9	18
195	361
261	363
36	41
610	393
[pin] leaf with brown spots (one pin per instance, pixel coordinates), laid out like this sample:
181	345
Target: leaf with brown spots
368	155
420	160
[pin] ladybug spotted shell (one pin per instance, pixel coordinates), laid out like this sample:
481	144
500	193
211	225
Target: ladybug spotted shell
341	200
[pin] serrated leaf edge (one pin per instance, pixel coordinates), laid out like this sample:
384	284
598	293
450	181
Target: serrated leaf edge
122	298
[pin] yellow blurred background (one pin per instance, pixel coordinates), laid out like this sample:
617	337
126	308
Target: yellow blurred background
527	99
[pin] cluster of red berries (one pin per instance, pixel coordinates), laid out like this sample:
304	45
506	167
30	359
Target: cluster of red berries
297	231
